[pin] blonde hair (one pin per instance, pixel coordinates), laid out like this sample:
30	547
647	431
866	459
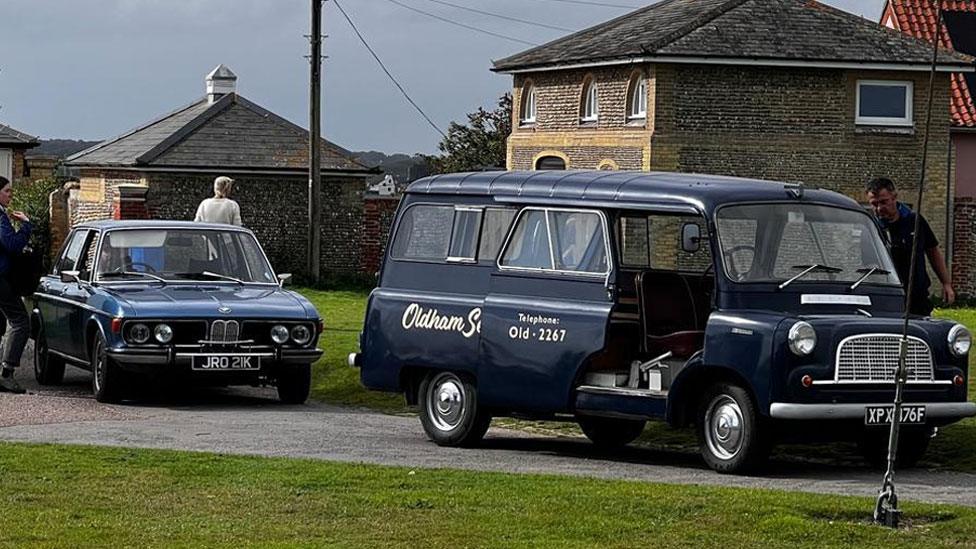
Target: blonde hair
223	186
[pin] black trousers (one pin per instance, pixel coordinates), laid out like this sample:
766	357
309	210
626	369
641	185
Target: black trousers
16	330
921	304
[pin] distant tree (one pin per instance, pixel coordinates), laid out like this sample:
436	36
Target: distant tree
478	145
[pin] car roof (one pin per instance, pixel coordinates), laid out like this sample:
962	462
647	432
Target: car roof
691	193
155	224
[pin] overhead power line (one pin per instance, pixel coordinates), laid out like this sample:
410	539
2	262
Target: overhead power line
505	17
469	27
383	66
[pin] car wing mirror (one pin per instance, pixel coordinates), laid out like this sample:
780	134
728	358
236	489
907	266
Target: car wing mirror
690	237
282	278
70	276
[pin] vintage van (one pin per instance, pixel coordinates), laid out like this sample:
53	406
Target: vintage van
750	309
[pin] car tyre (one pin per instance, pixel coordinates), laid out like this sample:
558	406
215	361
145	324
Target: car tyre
48	369
108	381
912	445
731	433
294	384
449	410
610	433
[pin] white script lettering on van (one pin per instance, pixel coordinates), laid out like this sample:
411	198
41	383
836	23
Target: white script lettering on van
416	317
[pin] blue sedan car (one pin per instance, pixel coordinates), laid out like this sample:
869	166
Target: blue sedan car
135	301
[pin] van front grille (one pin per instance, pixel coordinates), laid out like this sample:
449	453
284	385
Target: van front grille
874	358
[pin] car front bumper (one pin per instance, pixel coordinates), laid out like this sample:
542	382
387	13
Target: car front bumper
148	360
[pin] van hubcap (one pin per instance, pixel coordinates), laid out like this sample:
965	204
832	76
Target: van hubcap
724	427
446	402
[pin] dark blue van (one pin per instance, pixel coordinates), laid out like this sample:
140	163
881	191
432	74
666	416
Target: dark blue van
750	309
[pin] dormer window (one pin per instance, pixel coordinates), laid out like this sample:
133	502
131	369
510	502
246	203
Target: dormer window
527	114
589	108
637	98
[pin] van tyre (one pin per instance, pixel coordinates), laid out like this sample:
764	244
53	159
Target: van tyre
108	380
449	410
294	384
731	433
912	445
610	433
48	369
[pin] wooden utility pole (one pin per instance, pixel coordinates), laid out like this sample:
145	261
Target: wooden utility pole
314	142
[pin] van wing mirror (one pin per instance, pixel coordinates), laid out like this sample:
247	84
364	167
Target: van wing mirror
282	278
70	276
690	237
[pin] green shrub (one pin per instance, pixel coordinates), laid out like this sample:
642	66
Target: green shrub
32	199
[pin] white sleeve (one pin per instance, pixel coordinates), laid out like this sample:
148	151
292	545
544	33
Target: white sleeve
237	215
199	216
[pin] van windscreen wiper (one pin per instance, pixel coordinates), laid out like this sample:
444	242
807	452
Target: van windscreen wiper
809	269
868	271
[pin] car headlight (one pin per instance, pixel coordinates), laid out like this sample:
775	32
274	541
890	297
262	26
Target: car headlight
802	338
300	334
279	334
139	333
163	333
960	340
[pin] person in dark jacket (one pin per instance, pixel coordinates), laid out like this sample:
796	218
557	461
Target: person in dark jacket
11	305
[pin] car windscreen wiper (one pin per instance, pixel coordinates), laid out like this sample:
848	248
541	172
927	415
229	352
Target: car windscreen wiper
211	275
868	271
112	274
809	269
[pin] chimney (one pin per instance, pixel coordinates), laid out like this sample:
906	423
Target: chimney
220	82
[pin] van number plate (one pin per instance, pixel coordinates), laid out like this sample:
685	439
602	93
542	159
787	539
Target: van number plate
881	415
226	362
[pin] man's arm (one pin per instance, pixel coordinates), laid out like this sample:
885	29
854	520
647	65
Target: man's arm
939	265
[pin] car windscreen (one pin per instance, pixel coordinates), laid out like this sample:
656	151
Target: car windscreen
183	254
776	242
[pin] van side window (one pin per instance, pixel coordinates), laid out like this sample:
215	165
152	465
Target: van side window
424	233
493	231
464	238
558	240
654	241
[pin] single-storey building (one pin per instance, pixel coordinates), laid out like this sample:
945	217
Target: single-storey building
13	147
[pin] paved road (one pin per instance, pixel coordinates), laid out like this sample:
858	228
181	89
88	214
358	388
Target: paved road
250	421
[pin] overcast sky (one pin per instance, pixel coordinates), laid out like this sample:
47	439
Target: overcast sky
91	69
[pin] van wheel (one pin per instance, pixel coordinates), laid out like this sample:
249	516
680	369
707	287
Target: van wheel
294	384
108	382
48	369
610	433
912	445
730	433
449	410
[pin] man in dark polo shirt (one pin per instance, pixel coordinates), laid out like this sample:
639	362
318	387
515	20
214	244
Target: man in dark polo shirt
899	221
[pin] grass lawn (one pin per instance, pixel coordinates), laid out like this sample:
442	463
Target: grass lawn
337	383
66	496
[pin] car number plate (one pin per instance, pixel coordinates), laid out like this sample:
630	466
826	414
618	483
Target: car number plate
226	362
881	415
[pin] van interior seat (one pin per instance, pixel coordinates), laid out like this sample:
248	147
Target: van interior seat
668	314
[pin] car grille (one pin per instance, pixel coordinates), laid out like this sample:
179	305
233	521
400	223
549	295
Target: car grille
224	331
874	358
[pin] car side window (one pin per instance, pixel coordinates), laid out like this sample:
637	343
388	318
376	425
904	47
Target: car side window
86	261
69	259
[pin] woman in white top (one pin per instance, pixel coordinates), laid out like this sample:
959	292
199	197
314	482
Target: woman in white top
220	208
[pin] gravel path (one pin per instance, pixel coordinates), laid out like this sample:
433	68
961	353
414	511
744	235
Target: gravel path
251	421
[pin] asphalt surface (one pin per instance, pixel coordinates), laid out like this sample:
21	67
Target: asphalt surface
251	421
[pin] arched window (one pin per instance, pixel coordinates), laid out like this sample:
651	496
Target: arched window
550	163
637	98
589	108
527	114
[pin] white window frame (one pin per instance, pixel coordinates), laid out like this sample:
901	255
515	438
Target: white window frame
552	259
638	95
590	106
527	116
7	164
906	121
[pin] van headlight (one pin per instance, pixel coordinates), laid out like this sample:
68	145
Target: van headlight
279	334
802	338
959	340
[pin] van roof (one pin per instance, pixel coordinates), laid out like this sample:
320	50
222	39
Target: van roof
679	192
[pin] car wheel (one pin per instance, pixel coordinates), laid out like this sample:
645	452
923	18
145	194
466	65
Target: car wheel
48	369
108	383
609	432
730	433
294	384
449	410
912	445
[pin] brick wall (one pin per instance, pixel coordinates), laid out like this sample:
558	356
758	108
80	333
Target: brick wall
20	164
378	215
964	248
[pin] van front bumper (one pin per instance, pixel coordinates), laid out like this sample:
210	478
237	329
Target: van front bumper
933	410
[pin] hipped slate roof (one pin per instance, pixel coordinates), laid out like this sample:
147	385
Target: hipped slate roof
231	133
958	33
746	31
10	136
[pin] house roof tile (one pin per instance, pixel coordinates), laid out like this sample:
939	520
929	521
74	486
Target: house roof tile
10	136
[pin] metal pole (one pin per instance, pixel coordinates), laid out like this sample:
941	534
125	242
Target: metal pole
886	510
314	148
